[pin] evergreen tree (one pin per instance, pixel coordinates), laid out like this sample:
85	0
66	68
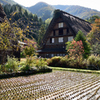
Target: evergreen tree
31	15
81	36
26	13
35	18
40	21
41	34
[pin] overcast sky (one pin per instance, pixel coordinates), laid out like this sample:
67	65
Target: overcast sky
93	4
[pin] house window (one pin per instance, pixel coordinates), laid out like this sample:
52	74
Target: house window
52	55
70	38
51	40
60	25
60	54
60	31
60	39
57	54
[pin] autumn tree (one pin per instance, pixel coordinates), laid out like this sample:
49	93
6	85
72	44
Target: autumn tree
94	35
8	39
87	48
75	49
93	18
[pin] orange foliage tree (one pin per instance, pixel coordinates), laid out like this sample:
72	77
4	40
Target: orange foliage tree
94	35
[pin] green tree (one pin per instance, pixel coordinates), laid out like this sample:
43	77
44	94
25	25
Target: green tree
93	18
35	18
40	21
31	15
41	34
6	10
87	48
26	13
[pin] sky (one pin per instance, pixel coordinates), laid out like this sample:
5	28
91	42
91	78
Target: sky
93	4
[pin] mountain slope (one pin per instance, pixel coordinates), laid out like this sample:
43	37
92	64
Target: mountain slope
4	2
19	17
42	9
78	11
45	11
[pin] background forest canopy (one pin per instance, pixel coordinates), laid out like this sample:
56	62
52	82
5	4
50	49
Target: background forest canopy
28	22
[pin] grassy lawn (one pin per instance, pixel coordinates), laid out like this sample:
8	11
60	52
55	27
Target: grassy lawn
76	70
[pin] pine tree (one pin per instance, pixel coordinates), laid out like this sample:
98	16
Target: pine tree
41	34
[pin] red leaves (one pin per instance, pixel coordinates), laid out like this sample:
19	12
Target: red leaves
76	48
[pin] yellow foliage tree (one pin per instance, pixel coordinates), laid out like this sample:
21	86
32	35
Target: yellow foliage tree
8	39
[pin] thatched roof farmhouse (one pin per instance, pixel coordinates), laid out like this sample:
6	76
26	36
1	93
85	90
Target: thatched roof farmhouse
63	28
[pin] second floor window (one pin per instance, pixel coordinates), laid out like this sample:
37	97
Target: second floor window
60	25
51	40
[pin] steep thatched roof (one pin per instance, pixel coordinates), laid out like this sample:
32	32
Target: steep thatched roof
2	13
74	23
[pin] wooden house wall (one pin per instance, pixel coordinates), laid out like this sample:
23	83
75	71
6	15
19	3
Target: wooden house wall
56	36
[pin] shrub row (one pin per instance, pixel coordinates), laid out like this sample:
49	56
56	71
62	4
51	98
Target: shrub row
92	62
31	65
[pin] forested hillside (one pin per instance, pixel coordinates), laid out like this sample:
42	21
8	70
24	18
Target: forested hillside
4	2
28	22
78	11
45	11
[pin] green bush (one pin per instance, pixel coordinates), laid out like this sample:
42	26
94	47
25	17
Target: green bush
93	62
22	55
67	62
55	61
40	63
11	64
33	63
28	64
64	62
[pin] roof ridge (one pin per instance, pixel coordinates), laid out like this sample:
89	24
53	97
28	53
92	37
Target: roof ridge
74	16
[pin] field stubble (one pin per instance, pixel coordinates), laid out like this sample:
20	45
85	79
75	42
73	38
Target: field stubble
58	85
